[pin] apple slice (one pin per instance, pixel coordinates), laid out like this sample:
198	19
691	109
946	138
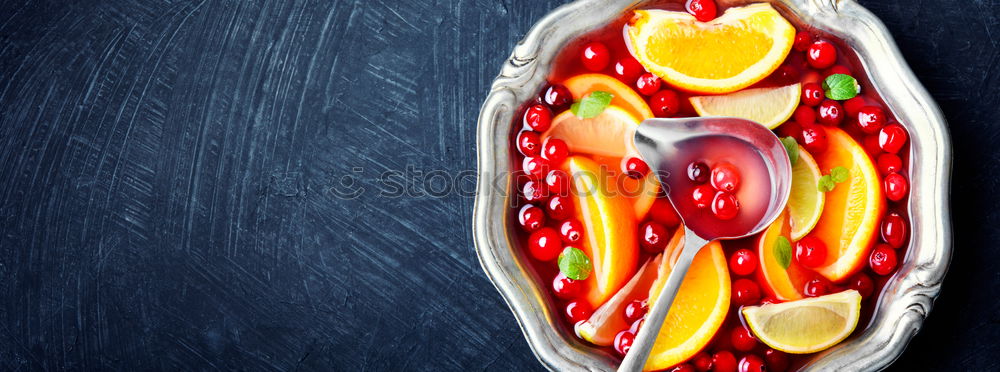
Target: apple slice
609	319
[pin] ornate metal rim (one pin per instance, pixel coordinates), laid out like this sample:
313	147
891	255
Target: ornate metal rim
907	297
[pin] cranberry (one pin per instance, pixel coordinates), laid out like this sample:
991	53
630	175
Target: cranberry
648	84
723	361
664	213
559	207
743	262
566	288
636	325
571	231
557	97
635	168
538	118
810	252
776	360
531	217
816	287
830	113
894	230
557	182
725	206
812	94
627	69
871	119
665	103
555	150
814	138
725	177
892	137
535	166
702	196
578	310
790	129
896	186
821	54
745	292
697	172
623	342
702	10
742	339
883	260
838	69
653	237
769	300
863	284
534	191
889	163
785	74
802	41
853	106
544	244
595	56
529	143
805	115
702	361
635	310
752	363
683	368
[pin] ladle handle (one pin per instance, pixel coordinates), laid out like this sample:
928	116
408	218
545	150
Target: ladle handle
642	345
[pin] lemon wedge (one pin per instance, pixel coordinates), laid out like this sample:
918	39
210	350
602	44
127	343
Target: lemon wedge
769	106
805	203
806	326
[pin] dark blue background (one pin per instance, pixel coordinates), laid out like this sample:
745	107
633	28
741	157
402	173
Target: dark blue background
170	171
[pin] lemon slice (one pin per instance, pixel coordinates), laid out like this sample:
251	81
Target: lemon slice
806	326
768	106
805	204
608	134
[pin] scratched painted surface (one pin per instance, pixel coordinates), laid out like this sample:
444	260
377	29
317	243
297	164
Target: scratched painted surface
172	192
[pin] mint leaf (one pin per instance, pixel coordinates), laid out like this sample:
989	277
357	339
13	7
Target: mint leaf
839	174
574	263
792	147
840	87
826	184
783	252
592	104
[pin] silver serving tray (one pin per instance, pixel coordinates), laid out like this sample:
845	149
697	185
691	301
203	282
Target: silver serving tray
906	298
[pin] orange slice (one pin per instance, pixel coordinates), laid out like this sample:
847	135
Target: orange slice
609	319
607	134
852	210
624	97
729	53
642	193
699	308
784	284
609	237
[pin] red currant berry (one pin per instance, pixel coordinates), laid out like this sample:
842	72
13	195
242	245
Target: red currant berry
571	231
555	150
743	262
648	84
534	191
745	292
776	360
623	342
683	368
702	10
544	244
725	206
635	168
529	143
627	69
821	54
665	103
702	196
742	339
896	186
883	260
702	361
892	137
557	97
557	182
889	163
802	41
578	310
810	252
830	113
531	217
535	166
559	207
725	177
853	106
663	212
863	284
894	229
697	172
805	115
816	287
595	56
751	363
538	118
635	310
871	119
723	361
653	237
814	138
812	94
566	288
